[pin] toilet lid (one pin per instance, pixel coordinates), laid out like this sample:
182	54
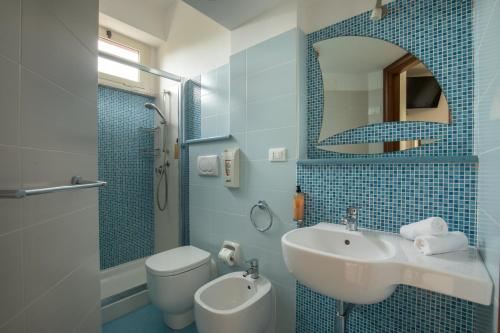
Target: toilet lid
178	260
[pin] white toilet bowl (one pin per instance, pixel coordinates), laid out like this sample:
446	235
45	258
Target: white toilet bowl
173	277
233	303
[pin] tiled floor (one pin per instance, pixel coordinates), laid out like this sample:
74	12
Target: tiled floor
145	320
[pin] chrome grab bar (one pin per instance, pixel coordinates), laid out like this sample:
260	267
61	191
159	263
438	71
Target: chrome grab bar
77	183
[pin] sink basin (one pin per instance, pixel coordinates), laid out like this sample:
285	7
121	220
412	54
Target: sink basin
340	263
366	266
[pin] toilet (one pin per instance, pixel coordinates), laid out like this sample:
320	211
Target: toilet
173	277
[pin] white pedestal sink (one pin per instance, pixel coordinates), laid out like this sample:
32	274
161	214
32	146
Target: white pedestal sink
365	266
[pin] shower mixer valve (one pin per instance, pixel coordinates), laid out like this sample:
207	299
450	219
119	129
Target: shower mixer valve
159	169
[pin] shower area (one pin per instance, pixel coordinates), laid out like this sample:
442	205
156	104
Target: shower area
139	158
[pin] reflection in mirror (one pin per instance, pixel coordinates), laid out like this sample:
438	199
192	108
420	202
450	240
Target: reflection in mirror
207	105
377	147
370	81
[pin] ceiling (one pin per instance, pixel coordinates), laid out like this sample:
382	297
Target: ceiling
233	13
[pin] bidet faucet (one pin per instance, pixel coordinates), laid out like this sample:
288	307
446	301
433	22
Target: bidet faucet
253	271
351	219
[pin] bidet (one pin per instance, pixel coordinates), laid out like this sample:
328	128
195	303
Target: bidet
234	303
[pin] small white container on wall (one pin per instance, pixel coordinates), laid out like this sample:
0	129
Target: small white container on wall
231	167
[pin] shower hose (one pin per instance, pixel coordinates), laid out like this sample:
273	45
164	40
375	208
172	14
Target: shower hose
162	170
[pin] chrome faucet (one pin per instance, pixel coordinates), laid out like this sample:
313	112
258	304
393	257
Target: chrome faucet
253	271
351	219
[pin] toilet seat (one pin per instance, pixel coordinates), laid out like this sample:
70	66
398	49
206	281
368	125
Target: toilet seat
176	261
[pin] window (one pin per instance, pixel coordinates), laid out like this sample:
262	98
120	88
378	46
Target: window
114	68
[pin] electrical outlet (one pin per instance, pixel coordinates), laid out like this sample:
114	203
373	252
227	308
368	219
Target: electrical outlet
277	154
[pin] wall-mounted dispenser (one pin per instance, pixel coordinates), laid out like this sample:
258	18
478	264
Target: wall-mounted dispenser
229	254
231	165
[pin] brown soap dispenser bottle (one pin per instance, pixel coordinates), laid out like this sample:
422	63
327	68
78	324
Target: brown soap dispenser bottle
298	206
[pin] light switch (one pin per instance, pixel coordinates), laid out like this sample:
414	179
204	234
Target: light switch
277	154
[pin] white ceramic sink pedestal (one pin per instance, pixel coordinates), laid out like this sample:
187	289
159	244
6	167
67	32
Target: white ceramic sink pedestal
365	266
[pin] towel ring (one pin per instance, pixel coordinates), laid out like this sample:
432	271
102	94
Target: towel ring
262	205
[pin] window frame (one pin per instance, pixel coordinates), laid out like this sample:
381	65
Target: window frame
146	84
119	78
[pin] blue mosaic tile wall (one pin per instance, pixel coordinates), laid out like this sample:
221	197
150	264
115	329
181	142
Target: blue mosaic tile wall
390	195
439	32
126	211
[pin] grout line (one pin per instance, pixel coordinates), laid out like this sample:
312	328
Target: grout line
271	67
46	221
270	129
96	307
47	291
63	279
491	150
475	20
51	150
273	98
57	85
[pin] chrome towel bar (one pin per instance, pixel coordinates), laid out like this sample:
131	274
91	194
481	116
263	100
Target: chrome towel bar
77	183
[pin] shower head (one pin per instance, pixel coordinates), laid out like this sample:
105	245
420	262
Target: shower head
151	106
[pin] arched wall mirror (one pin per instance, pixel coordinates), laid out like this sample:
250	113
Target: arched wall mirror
369	81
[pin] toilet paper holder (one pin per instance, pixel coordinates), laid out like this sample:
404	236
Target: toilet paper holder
235	255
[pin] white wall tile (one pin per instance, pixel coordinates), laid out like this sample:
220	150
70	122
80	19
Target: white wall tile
11	278
15	325
63	308
92	322
9	95
272	52
273	82
53	249
79	17
54	119
487	142
272	113
272	176
259	143
41	208
9	179
51	50
285	309
10	20
40	168
218	213
59	43
237	65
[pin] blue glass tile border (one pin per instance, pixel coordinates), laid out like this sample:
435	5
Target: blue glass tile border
392	160
439	33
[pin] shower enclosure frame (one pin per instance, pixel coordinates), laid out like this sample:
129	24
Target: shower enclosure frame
183	159
183	182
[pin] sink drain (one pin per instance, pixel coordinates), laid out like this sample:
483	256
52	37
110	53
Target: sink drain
347	242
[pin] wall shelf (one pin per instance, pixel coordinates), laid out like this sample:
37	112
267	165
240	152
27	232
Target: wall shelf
472	159
210	139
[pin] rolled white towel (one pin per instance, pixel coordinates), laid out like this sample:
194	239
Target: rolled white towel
429	226
434	244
